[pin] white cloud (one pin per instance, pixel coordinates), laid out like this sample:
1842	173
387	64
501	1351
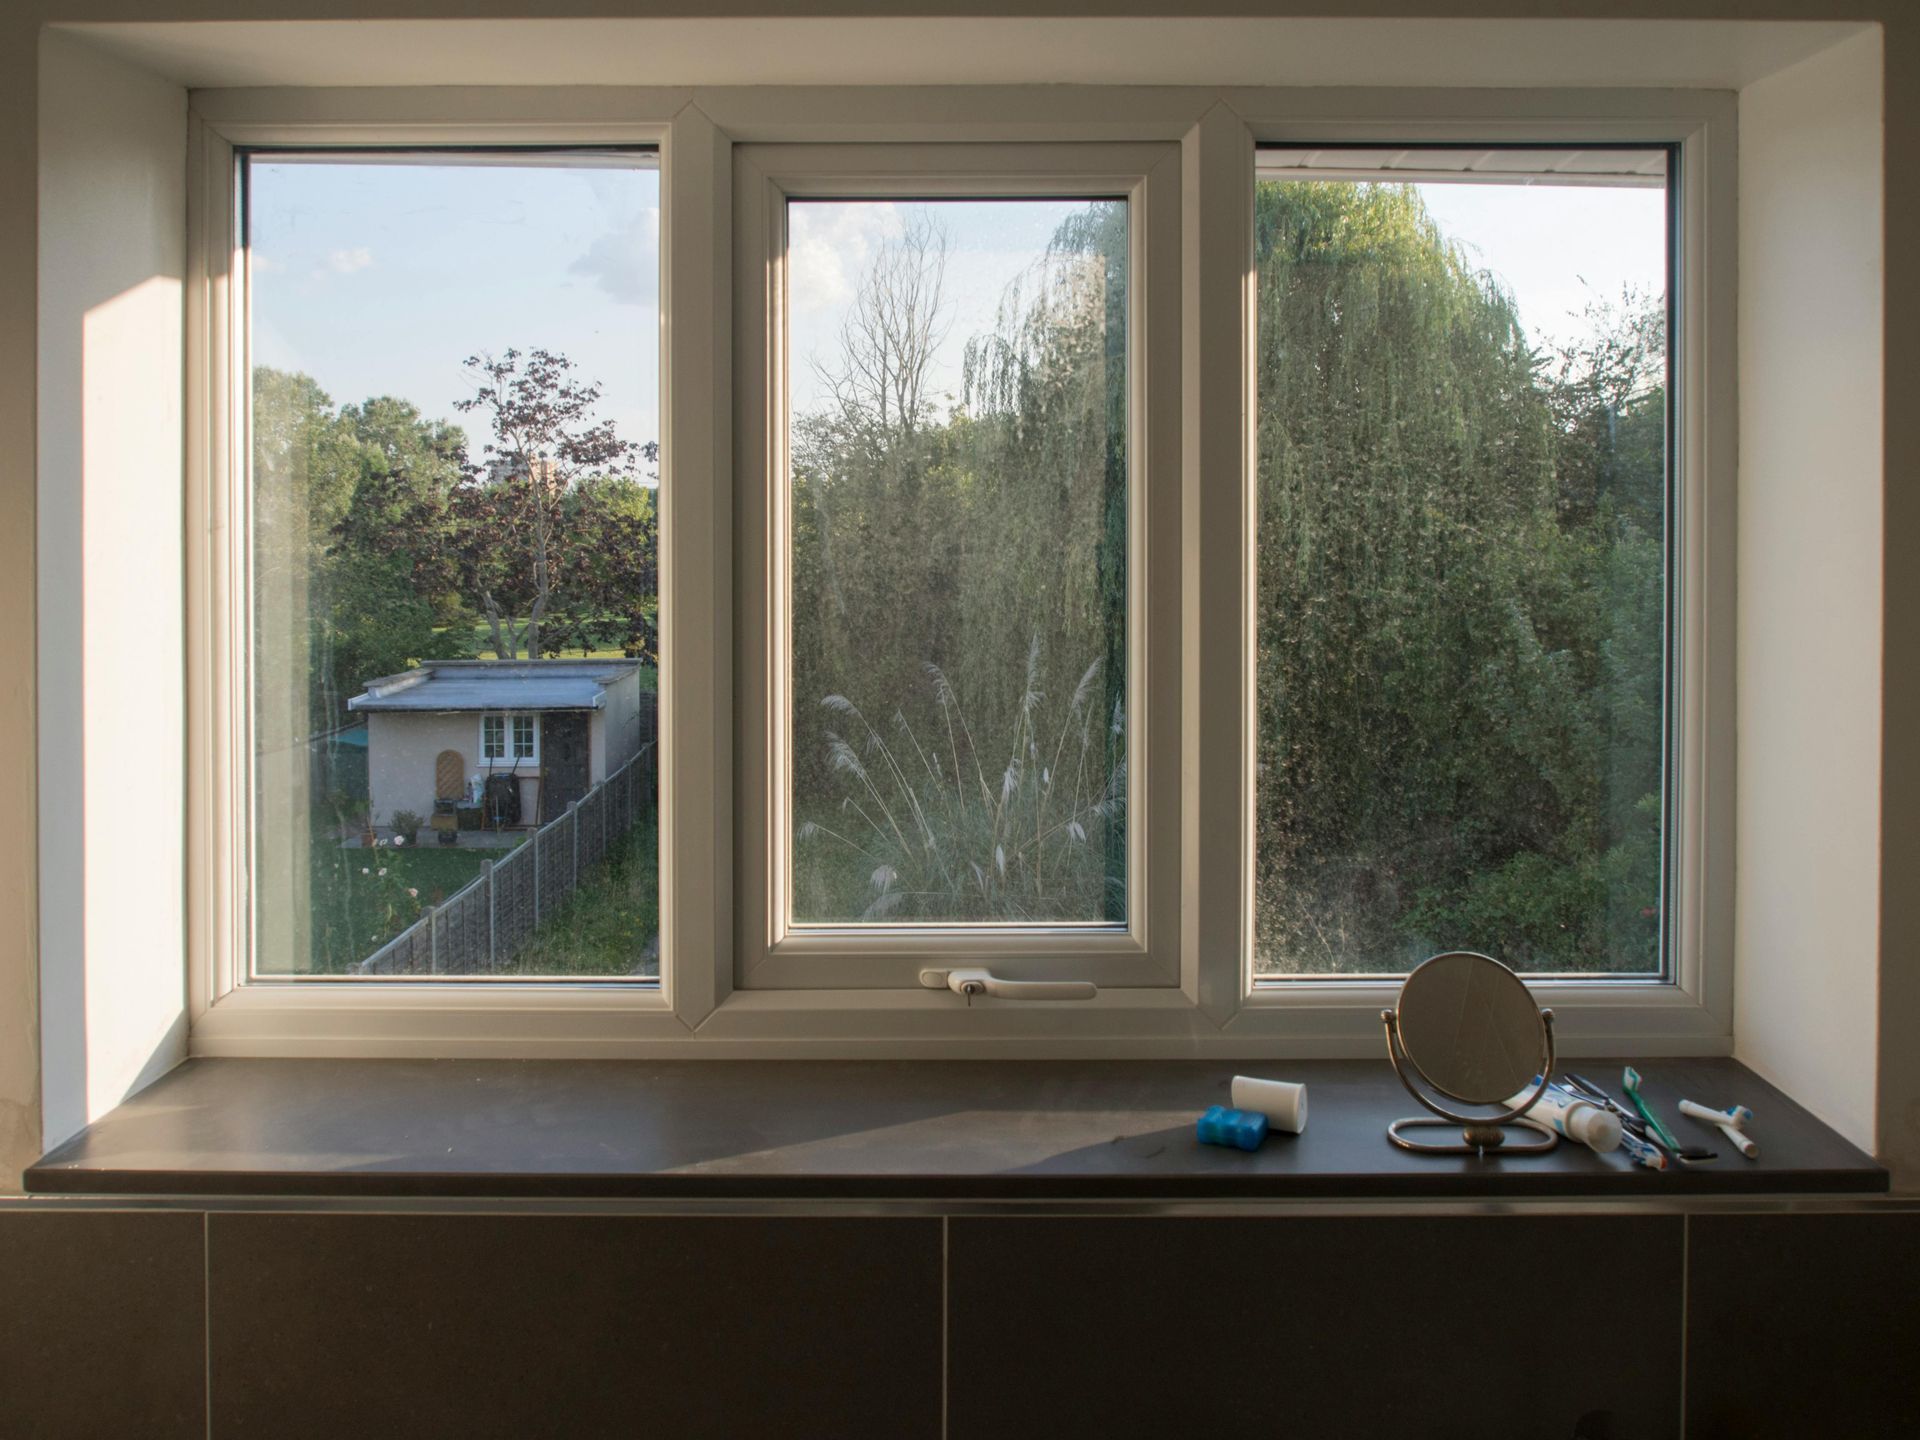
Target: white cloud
828	247
345	262
625	263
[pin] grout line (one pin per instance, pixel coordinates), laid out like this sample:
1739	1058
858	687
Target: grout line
945	1304
1686	1234
206	1310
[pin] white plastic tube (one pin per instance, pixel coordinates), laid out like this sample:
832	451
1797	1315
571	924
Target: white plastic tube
1282	1102
1591	1126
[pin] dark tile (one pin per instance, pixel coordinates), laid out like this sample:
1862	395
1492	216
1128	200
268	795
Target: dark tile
1802	1325
402	1326
102	1325
1445	1328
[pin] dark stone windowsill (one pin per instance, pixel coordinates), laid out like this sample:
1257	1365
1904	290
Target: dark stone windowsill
869	1130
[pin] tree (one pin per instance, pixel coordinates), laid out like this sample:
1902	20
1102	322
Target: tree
891	333
1459	610
349	512
875	535
511	537
613	588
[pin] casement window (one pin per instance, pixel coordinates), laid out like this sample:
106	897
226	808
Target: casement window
1206	565
954	679
509	739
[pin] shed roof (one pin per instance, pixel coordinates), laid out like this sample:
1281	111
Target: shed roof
497	685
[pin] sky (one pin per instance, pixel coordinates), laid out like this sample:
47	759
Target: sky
990	245
379	279
1559	247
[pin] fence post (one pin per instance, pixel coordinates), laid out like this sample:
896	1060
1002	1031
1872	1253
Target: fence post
433	939
486	869
535	842
573	836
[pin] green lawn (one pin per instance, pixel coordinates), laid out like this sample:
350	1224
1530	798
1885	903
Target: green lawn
606	926
356	909
605	648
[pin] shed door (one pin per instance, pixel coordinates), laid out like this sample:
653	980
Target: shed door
564	762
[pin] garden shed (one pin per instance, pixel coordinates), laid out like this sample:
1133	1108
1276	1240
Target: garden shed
557	727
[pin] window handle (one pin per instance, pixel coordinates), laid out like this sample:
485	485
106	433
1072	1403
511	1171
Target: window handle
969	983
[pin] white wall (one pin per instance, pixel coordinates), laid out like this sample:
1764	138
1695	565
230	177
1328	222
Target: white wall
111	789
616	732
1810	538
403	747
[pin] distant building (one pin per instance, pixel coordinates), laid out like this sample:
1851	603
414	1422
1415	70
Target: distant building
558	727
503	468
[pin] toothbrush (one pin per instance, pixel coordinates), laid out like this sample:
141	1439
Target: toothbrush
1630	1081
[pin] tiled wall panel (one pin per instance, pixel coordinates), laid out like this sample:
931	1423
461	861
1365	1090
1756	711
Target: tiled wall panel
102	1329
1545	1327
1803	1325
408	1327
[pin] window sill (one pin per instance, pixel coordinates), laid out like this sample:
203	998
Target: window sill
690	1130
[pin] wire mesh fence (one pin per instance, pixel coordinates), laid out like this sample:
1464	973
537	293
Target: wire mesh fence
480	928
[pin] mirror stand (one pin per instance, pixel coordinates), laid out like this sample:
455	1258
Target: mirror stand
1478	1135
1476	1138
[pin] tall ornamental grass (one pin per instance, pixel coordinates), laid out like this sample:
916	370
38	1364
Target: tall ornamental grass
1022	822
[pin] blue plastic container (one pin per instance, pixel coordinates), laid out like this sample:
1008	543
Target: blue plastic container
1242	1129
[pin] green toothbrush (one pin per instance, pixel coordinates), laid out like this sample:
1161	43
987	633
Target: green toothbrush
1630	1081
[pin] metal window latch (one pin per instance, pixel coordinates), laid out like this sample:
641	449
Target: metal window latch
969	983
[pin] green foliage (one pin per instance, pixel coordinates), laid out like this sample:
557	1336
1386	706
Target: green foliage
606	926
943	826
338	504
1460	645
962	566
362	898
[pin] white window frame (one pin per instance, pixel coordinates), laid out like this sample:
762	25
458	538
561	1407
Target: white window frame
509	757
714	767
773	953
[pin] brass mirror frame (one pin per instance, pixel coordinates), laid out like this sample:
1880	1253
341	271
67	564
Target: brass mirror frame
1477	1134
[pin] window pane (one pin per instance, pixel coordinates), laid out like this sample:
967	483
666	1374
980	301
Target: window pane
958	560
454	516
1462	522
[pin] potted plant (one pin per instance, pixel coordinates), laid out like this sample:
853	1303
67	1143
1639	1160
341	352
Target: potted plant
406	827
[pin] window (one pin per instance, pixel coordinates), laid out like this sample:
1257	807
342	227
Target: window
1223	563
1463	518
954	653
495	746
957	551
454	508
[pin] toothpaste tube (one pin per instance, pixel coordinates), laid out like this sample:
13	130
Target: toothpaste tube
1641	1152
1577	1119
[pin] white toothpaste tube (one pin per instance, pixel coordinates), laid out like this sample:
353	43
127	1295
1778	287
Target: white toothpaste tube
1576	1119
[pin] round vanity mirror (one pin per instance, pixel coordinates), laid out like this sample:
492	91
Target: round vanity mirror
1469	1029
